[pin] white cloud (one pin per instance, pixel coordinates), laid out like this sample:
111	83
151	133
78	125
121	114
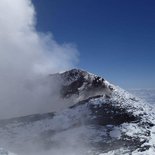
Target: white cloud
25	54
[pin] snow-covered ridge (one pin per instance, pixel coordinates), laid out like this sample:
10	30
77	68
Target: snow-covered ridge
104	119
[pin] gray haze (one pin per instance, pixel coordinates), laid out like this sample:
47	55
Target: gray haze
26	58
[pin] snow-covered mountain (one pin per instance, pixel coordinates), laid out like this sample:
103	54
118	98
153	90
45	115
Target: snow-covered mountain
103	119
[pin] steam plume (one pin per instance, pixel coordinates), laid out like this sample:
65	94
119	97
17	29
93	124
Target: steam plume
25	56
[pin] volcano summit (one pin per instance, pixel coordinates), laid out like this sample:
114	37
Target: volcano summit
98	119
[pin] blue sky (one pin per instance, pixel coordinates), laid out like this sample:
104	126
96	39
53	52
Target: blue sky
115	38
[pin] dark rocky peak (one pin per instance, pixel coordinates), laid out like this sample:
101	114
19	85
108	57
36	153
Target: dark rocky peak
82	84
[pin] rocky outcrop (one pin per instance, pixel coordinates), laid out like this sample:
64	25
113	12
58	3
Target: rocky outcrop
81	84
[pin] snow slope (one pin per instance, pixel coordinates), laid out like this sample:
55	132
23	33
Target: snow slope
103	120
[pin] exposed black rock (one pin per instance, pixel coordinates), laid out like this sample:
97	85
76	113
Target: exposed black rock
79	82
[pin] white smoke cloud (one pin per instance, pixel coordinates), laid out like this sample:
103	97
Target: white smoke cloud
26	56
